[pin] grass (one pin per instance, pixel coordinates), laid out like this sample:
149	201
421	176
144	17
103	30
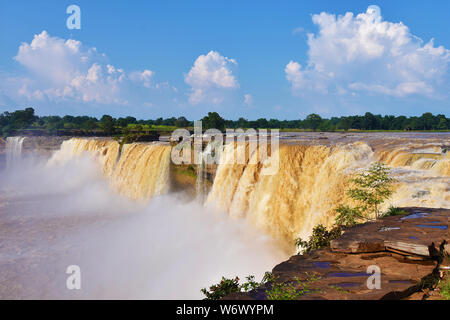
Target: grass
339	289
292	290
394	211
444	287
146	127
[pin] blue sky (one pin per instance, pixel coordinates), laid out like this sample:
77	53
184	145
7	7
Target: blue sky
240	58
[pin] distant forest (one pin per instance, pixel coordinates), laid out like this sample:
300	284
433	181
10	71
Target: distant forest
26	120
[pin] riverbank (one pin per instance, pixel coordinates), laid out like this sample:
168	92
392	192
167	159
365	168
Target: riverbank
408	250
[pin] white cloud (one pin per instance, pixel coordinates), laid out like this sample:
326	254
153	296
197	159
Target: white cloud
65	69
248	99
298	30
364	53
210	77
144	77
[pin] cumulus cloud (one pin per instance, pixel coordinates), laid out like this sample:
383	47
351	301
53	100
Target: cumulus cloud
210	77
65	69
364	53
145	77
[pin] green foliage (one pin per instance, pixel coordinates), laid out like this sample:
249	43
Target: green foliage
17	120
182	122
394	211
339	289
347	216
371	189
222	289
228	286
89	125
444	287
276	290
107	125
286	291
250	284
313	121
291	290
320	238
213	121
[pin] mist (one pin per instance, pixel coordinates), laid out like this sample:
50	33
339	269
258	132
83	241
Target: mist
56	215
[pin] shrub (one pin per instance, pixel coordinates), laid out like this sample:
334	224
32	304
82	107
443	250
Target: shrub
394	211
291	290
228	286
222	289
347	216
320	238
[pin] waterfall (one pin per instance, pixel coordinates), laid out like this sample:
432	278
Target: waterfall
106	152
202	173
140	171
312	181
13	150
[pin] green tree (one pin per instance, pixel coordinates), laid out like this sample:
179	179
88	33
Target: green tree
313	121
21	119
213	121
320	238
427	120
372	188
345	123
182	122
369	122
89	125
442	125
242	123
107	124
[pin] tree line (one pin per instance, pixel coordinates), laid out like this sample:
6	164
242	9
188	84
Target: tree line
26	119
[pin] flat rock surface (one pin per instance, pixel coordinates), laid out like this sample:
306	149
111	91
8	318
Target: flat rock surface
343	271
412	233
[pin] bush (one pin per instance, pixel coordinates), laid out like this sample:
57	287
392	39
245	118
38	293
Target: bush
224	288
347	216
228	286
320	238
286	291
291	290
394	211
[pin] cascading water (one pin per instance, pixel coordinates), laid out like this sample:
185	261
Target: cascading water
142	171
309	182
134	249
312	181
105	151
139	171
13	150
202	174
168	248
